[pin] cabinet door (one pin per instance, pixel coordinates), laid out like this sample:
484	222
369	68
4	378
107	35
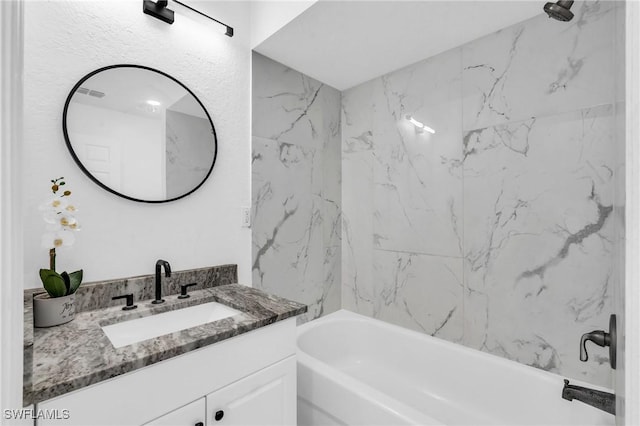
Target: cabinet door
267	397
192	414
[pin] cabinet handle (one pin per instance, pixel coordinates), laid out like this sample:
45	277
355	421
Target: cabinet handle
219	415
199	424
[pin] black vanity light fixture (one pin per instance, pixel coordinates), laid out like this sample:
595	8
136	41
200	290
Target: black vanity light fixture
158	9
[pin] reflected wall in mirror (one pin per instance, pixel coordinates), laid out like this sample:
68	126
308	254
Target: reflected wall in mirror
139	133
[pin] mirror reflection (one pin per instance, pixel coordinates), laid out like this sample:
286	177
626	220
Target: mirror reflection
139	133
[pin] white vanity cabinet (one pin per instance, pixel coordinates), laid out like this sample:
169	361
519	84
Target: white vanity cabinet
250	378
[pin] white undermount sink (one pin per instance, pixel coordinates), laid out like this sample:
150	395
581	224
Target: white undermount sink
128	332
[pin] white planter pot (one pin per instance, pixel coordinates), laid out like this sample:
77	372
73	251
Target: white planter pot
49	311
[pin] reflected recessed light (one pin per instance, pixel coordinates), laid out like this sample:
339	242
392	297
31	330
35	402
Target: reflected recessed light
153	103
419	125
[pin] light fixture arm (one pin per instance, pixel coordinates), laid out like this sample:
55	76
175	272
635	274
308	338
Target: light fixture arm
160	11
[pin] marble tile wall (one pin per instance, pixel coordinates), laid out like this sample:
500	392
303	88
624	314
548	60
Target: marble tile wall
497	231
296	187
402	198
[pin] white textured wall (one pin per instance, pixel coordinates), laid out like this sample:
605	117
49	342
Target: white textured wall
64	40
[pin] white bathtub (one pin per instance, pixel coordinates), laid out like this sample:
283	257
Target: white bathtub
354	370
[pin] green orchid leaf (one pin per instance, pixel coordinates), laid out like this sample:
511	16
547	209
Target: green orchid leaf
53	283
67	282
75	279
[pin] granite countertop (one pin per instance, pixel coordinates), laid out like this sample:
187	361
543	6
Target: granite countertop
77	354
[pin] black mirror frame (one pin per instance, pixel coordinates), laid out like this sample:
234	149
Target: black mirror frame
88	173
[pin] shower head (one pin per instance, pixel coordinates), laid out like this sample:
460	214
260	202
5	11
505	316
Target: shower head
559	10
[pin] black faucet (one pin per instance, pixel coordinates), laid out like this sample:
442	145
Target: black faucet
167	273
602	400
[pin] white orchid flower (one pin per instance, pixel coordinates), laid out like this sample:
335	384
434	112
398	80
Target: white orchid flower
74	227
54	204
56	220
66	220
51	216
53	226
58	239
59	218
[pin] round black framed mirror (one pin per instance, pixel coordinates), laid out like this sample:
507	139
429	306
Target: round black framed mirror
139	133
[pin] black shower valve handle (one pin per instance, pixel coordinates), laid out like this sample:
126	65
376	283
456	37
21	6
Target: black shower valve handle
599	337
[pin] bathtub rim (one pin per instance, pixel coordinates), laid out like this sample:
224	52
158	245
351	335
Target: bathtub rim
344	314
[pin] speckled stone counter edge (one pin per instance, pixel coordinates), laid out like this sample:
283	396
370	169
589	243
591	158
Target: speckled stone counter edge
259	309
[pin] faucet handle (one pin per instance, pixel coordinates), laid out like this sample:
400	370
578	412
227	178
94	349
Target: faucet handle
601	338
183	290
129	298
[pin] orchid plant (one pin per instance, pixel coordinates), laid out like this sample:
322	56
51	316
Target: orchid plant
59	214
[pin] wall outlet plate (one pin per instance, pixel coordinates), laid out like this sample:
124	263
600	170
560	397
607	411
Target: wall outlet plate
245	217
